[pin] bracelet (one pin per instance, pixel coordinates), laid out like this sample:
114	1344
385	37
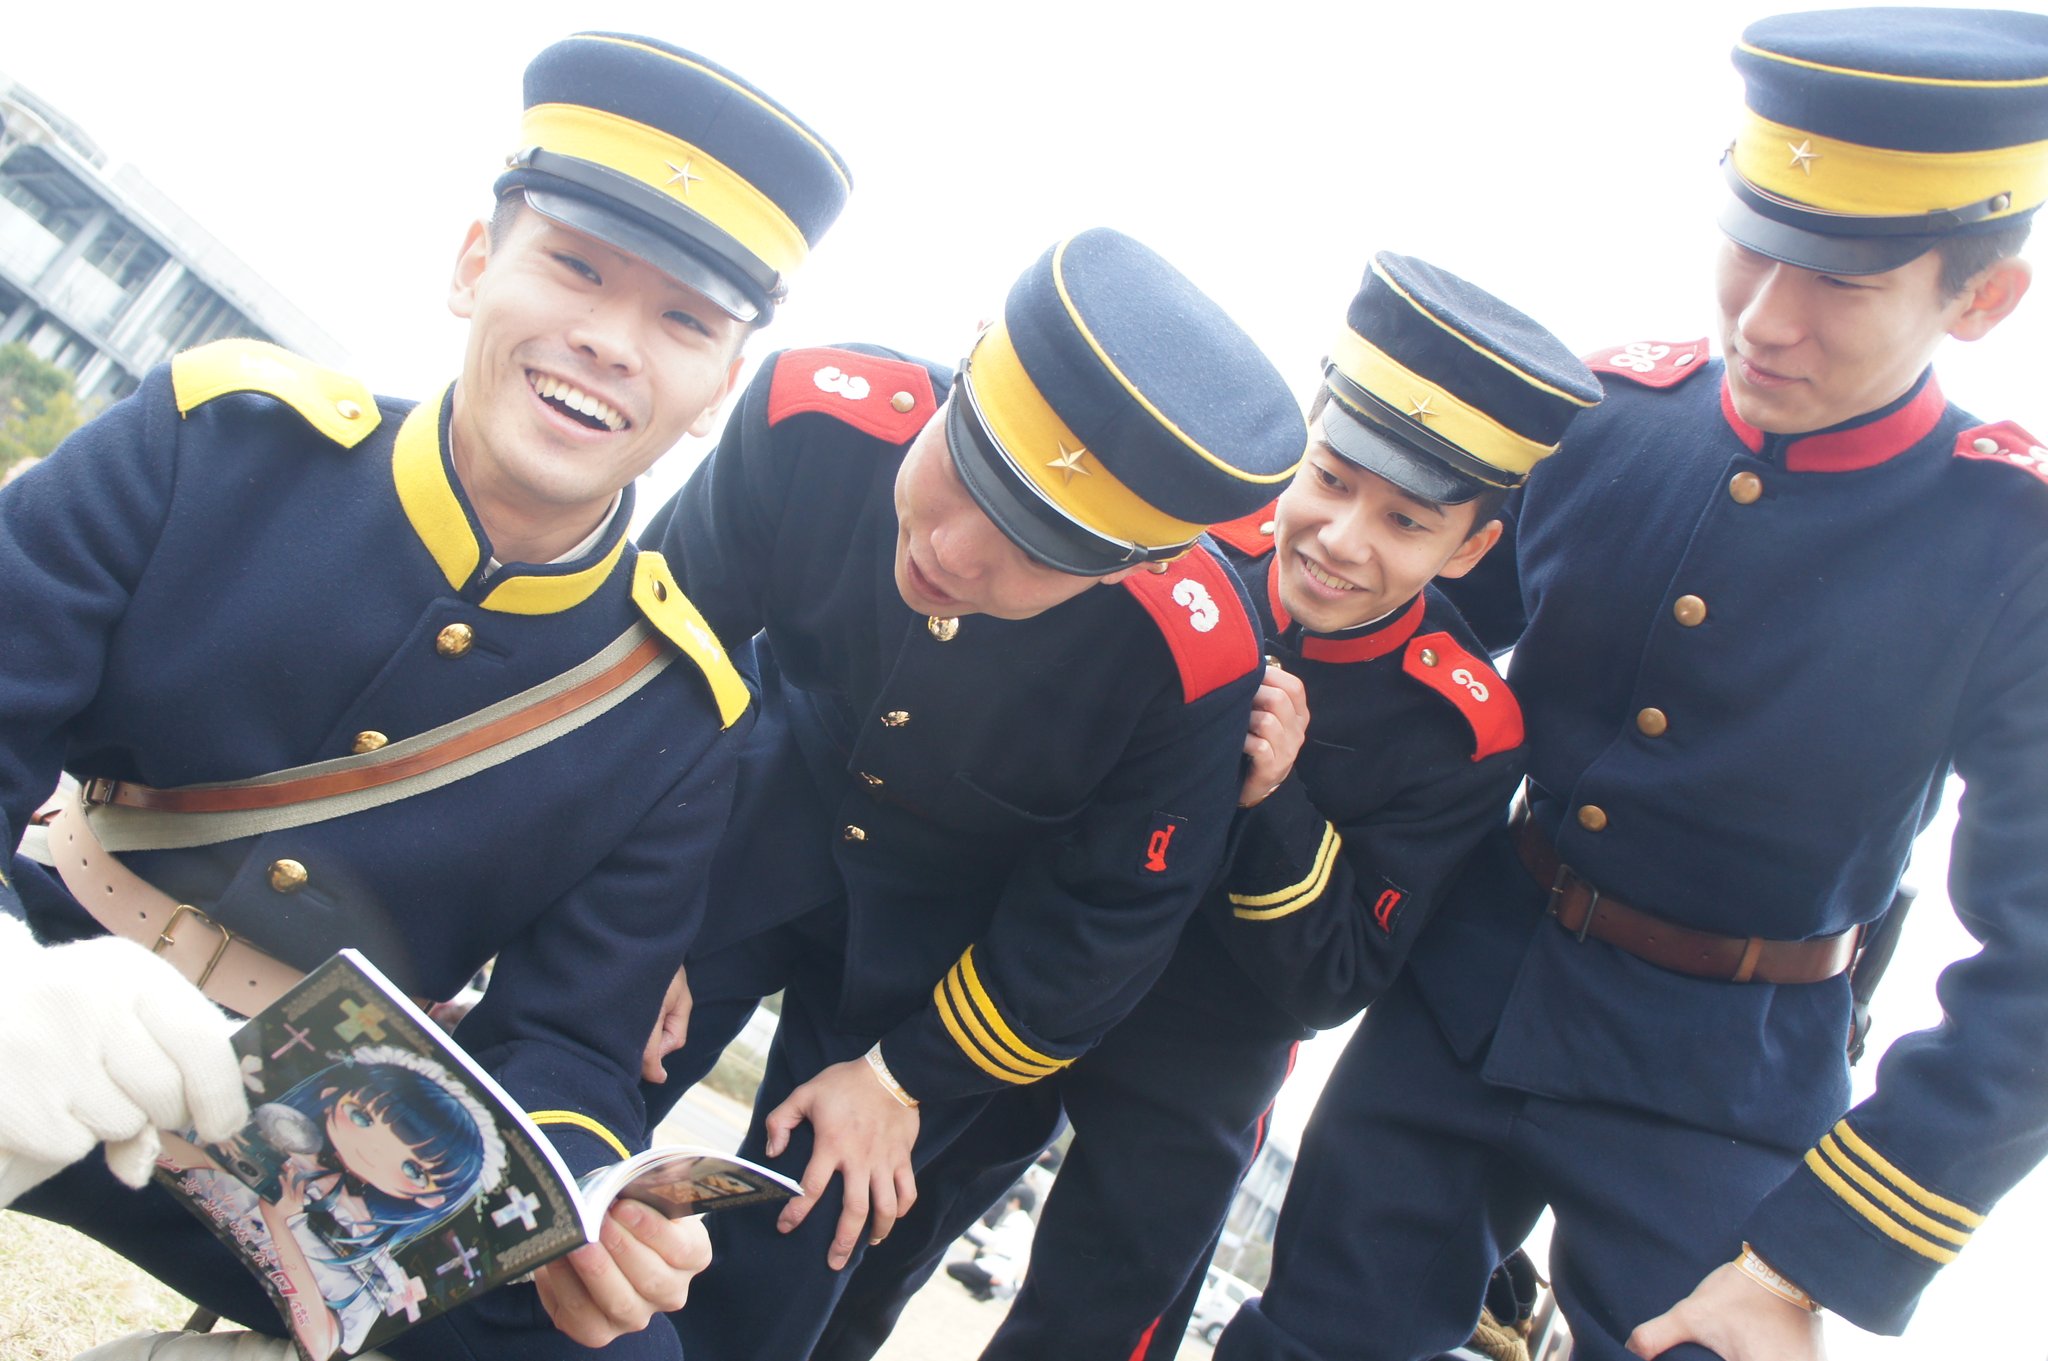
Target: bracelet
888	1079
1765	1275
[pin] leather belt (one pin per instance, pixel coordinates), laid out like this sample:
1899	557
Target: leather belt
228	969
1585	910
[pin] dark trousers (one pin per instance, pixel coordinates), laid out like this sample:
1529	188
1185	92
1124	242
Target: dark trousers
1416	1179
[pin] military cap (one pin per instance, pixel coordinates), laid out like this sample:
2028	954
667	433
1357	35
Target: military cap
1442	388
678	161
1871	134
1114	412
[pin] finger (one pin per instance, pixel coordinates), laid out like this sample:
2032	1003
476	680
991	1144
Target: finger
132	1160
817	1176
215	1101
616	1306
569	1305
853	1218
635	1237
883	1208
781	1121
1655	1337
150	1077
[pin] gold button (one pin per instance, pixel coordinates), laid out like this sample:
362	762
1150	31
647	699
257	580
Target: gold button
1689	610
1429	656
853	833
1652	722
1745	488
348	410
1984	446
1592	816
369	740
903	401
288	876
454	640
661	590
895	718
943	629
1267	526
873	781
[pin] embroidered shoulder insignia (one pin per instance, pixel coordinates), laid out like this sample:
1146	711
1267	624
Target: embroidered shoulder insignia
1251	535
2004	443
1470	684
1652	363
890	399
338	406
1196	605
668	609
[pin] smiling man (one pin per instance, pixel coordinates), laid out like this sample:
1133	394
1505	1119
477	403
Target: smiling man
1761	607
441	708
1006	684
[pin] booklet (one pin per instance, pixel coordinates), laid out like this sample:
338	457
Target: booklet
383	1177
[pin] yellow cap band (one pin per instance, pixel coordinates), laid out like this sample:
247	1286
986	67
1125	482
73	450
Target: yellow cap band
1053	458
1441	413
669	165
1845	177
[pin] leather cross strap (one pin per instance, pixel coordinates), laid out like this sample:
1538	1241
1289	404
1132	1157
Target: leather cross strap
1585	910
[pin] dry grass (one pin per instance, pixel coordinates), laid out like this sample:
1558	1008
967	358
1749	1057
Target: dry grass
61	1293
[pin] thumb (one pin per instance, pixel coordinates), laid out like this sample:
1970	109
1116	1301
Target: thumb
783	1119
134	1158
1657	1336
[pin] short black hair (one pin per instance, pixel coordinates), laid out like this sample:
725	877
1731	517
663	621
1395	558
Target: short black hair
506	212
1963	258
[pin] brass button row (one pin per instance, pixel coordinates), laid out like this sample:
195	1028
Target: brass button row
454	640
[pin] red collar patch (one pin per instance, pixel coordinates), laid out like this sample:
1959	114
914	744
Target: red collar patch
890	399
1251	535
1652	363
2004	442
1851	450
1473	686
1357	647
1196	606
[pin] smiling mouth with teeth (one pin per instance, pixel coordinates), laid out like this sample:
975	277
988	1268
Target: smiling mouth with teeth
1318	574
575	403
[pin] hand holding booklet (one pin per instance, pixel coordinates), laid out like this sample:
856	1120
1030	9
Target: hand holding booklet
384	1178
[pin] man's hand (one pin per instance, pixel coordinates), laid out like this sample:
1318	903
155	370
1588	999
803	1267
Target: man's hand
640	1266
863	1133
670	1030
1736	1319
1279	726
106	1043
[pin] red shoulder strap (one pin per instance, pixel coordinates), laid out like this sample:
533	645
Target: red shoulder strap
890	399
1196	606
1652	363
1251	535
2004	442
1472	685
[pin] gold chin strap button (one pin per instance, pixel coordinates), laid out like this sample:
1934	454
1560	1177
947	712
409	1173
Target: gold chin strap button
454	640
1689	610
895	718
1592	817
288	876
945	630
370	740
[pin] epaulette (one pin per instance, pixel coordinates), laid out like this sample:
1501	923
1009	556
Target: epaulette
1652	363
668	609
2004	442
1251	535
338	406
890	399
1470	684
1196	606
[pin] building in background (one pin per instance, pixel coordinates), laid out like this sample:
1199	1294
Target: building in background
103	276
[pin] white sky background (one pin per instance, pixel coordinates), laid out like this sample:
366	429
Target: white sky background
1563	155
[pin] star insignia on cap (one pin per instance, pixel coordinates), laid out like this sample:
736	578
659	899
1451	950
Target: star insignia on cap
1069	463
682	176
1419	407
1803	155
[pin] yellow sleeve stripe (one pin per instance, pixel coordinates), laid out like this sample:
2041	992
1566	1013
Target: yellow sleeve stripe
986	1005
1259	907
1938	1204
1883	1222
1900	1208
970	1026
583	1122
950	1016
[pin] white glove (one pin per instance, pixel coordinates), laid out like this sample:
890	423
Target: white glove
101	1041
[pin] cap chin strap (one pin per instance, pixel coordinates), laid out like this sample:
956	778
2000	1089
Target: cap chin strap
1941	222
1369	408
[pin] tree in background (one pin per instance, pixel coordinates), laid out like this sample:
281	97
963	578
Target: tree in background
37	407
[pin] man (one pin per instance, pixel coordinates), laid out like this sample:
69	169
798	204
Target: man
1436	400
1633	1006
1014	685
436	706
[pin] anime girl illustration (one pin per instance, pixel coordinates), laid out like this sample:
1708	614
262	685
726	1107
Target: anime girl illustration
343	1170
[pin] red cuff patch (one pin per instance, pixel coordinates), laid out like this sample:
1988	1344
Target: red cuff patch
890	399
1652	363
1472	686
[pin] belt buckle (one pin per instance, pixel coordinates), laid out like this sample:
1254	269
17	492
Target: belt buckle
1565	872
163	940
98	792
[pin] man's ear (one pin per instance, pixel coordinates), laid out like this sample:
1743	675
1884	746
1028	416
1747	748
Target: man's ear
1472	550
469	267
707	419
1992	296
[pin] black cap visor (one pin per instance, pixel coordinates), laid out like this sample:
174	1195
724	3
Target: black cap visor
1823	253
625	232
1047	534
1361	431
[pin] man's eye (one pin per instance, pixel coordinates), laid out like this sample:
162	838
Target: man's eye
689	322
1329	479
577	266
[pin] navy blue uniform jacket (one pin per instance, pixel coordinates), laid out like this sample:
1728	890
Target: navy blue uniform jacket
1021	815
225	575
